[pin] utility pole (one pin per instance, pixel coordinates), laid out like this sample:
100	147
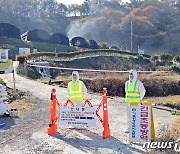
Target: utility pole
14	83
131	36
14	80
55	52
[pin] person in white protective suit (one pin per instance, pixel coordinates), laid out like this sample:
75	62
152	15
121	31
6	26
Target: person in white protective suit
135	92
76	89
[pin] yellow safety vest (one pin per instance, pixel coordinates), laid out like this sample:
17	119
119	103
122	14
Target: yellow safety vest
132	92
75	92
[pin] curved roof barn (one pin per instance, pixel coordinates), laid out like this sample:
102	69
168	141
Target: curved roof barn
58	38
37	35
80	42
9	31
93	44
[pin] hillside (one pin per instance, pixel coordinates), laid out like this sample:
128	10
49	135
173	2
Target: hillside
15	44
104	63
154	83
152	25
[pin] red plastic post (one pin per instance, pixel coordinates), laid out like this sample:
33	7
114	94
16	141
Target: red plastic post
106	132
53	118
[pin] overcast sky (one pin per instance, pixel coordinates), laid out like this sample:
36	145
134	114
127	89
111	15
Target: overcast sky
67	2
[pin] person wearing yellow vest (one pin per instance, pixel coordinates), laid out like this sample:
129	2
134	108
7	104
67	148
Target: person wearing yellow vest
135	92
76	89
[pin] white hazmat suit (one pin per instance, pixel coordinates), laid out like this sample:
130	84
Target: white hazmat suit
75	78
141	89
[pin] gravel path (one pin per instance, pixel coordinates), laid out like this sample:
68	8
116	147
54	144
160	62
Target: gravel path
27	134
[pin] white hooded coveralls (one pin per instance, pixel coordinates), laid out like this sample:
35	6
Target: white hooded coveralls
84	89
141	90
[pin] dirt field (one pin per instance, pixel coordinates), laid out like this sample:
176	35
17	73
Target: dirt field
27	134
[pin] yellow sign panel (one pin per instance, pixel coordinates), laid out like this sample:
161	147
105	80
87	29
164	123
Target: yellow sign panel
141	128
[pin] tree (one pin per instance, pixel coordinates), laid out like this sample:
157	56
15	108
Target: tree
151	12
49	8
114	16
176	59
113	4
154	59
84	8
104	45
141	25
62	9
166	57
74	9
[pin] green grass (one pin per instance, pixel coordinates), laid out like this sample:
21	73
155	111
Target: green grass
4	66
15	44
44	47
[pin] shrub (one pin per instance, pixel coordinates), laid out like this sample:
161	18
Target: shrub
176	59
166	57
175	69
172	68
154	58
116	84
139	59
168	134
21	59
104	45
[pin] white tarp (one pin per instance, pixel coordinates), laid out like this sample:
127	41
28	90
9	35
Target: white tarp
77	116
3	94
140	123
3	108
2	88
3	100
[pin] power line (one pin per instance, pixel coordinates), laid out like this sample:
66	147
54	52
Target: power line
158	34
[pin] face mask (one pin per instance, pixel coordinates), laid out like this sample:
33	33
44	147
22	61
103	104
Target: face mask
131	76
74	77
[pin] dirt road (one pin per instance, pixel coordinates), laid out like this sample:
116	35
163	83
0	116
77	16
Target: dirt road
28	134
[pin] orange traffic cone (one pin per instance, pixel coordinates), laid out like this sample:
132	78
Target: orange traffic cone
53	118
106	132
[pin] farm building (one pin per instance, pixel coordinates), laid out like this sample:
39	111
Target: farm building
9	31
37	35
